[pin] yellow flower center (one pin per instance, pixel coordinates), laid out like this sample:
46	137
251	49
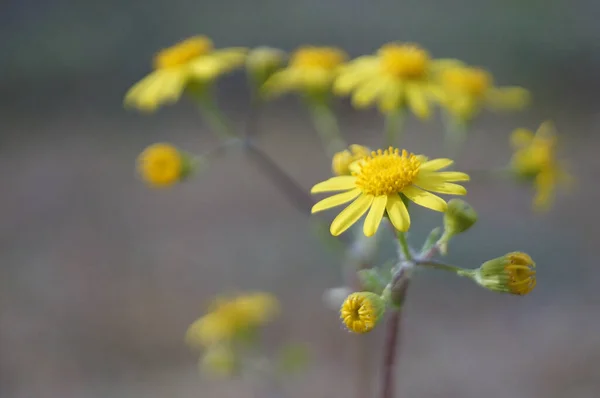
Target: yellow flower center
387	172
327	58
358	314
183	52
521	273
160	165
472	81
407	61
341	161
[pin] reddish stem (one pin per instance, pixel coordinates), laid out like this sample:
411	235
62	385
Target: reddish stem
389	361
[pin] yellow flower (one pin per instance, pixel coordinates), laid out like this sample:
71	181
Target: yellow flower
535	158
191	61
398	75
262	62
513	273
379	181
162	165
311	69
467	89
341	161
228	317
361	311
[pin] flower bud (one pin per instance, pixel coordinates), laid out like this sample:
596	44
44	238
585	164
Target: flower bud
161	165
458	218
341	161
362	311
512	273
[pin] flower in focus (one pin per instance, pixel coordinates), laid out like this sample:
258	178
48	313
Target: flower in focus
467	89
310	70
231	317
513	273
361	311
162	165
535	159
192	60
398	75
380	181
341	161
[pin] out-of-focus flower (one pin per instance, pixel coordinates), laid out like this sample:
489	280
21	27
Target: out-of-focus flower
398	75
162	165
262	62
378	183
310	70
362	311
467	89
230	317
512	273
341	161
193	60
535	159
219	360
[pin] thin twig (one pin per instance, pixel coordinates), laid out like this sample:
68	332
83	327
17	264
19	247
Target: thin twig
389	360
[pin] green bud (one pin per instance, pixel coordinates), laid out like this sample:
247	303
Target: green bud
512	273
458	218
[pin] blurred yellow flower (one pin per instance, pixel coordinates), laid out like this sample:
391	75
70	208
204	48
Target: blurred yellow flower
398	75
161	165
219	360
310	70
380	181
535	159
467	89
192	60
512	273
229	317
341	161
361	311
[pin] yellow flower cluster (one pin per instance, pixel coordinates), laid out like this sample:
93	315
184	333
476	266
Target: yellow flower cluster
230	321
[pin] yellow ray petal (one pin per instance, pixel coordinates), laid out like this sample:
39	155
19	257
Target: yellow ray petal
508	98
351	214
425	199
375	215
436	164
398	213
445	187
366	93
391	97
340	183
417	101
335	200
441	176
521	138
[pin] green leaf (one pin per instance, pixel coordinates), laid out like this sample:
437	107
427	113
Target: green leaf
371	280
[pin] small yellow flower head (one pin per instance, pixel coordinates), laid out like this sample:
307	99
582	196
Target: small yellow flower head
378	183
219	360
398	75
513	273
310	70
262	62
341	161
193	60
362	311
162	165
183	52
467	89
535	159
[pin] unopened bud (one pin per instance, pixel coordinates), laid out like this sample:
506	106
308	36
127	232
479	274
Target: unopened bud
362	311
512	273
458	218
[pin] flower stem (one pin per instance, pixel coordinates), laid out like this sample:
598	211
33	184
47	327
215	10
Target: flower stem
326	125
446	267
404	247
394	125
214	117
390	348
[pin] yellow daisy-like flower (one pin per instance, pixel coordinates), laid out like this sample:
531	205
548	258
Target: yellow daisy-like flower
361	311
467	89
398	75
340	164
228	317
377	184
513	273
535	158
192	60
311	69
162	165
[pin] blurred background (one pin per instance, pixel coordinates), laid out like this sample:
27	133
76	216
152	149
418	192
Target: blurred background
100	276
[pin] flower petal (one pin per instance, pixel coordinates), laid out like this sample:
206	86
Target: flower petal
444	187
351	214
391	97
366	92
398	213
417	101
425	199
507	98
339	183
521	138
436	164
441	176
335	200
375	215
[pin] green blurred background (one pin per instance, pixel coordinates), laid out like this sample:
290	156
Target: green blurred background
100	276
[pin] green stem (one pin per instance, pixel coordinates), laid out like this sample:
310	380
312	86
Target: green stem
446	267
394	126
404	245
326	125
456	135
217	121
